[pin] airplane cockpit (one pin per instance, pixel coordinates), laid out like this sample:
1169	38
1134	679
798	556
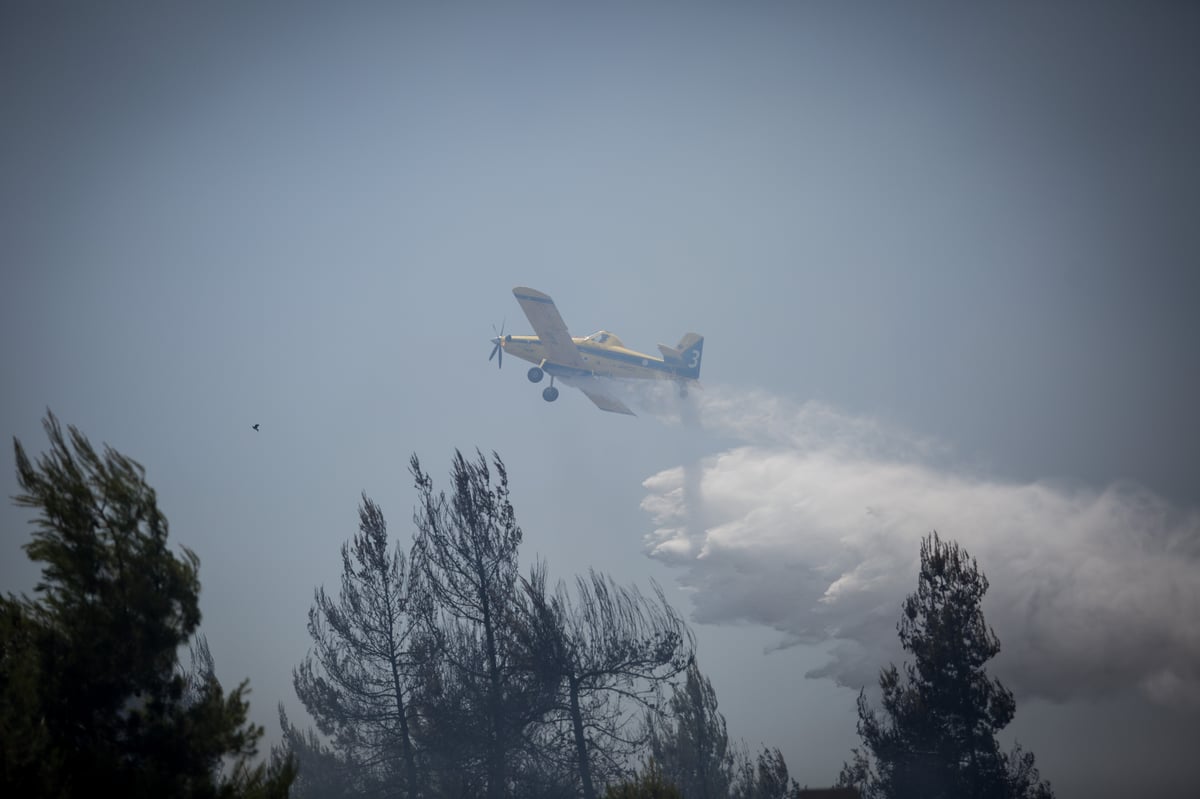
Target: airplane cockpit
605	338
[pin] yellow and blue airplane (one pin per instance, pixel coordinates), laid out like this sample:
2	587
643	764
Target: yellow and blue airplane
579	362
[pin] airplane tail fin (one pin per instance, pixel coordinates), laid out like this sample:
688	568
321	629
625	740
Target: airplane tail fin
685	357
691	347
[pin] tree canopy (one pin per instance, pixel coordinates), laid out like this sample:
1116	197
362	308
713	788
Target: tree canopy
357	682
465	550
450	665
648	784
936	736
92	695
607	651
689	740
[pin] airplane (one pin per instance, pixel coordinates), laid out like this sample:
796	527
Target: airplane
579	362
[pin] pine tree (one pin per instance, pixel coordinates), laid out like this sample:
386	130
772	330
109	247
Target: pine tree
481	696
649	784
690	741
936	736
322	772
765	778
92	696
358	681
608	650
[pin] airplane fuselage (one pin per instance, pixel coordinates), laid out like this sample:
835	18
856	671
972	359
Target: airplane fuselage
578	361
601	359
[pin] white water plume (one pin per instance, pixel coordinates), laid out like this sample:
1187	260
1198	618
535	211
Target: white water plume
810	523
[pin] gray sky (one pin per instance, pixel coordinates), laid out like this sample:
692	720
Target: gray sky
944	259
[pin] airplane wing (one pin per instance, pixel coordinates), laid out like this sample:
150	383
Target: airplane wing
605	402
550	327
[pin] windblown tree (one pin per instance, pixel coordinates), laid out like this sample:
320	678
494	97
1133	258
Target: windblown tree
93	700
690	742
607	651
481	693
649	783
204	668
322	772
936	736
765	778
358	680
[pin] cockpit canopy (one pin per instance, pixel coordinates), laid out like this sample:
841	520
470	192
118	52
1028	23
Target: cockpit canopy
605	338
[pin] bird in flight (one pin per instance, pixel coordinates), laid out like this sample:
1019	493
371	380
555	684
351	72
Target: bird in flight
256	427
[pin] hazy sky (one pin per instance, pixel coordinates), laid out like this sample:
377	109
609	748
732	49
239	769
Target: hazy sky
945	259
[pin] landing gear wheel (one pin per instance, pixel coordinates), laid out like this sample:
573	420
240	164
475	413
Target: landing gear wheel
550	394
535	374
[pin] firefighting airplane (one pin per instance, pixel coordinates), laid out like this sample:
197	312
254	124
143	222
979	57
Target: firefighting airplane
579	362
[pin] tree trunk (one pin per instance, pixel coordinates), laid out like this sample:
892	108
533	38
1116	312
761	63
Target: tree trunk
495	788
581	753
406	747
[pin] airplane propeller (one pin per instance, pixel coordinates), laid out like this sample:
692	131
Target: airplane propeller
497	349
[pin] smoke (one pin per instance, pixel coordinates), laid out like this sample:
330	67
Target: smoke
811	522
